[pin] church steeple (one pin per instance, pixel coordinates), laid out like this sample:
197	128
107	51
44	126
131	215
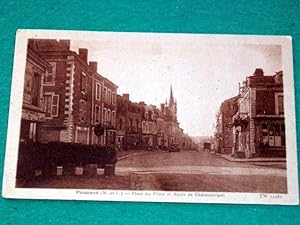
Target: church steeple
171	101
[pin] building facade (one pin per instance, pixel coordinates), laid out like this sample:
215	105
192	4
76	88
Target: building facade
75	95
224	126
129	123
33	115
258	125
171	131
142	126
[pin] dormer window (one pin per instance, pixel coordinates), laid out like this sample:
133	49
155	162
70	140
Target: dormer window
50	75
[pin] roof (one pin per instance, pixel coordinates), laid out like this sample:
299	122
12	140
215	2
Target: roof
37	58
48	45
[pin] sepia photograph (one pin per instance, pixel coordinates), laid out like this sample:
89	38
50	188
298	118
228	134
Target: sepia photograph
152	117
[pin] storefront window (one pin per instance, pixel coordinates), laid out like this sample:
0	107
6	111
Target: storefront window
273	134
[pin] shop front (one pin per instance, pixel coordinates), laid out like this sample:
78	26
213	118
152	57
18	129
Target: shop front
132	141
160	140
148	141
110	136
120	137
30	125
270	137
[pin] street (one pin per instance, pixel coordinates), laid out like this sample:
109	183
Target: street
199	171
178	171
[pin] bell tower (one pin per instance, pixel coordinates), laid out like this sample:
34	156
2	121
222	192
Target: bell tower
172	104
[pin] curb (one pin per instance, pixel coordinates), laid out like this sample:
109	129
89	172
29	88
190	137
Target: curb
250	160
142	153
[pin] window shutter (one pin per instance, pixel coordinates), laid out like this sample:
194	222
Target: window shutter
55	105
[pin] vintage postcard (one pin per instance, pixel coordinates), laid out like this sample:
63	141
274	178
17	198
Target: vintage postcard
152	117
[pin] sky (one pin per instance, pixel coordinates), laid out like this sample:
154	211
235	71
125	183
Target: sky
203	71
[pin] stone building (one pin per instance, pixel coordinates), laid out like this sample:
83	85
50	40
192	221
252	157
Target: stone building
224	128
171	127
258	125
75	95
149	120
186	142
129	123
104	100
109	112
33	115
142	126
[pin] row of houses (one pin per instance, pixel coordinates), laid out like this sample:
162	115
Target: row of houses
65	98
141	126
251	124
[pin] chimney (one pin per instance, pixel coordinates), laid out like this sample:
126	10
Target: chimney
126	97
278	77
93	66
83	53
258	72
65	44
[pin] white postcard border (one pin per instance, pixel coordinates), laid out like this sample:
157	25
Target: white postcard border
10	191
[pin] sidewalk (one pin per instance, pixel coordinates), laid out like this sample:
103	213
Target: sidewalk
258	159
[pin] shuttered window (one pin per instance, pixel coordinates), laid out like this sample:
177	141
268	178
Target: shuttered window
51	105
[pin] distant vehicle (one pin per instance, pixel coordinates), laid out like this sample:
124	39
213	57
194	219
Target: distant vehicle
206	146
174	148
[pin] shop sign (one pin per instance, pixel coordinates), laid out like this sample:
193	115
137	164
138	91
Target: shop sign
32	115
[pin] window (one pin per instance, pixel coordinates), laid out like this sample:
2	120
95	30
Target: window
35	89
97	114
109	96
279	104
108	116
51	105
130	124
55	105
83	83
104	93
273	133
113	118
82	111
48	105
50	75
98	91
113	98
245	104
104	116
